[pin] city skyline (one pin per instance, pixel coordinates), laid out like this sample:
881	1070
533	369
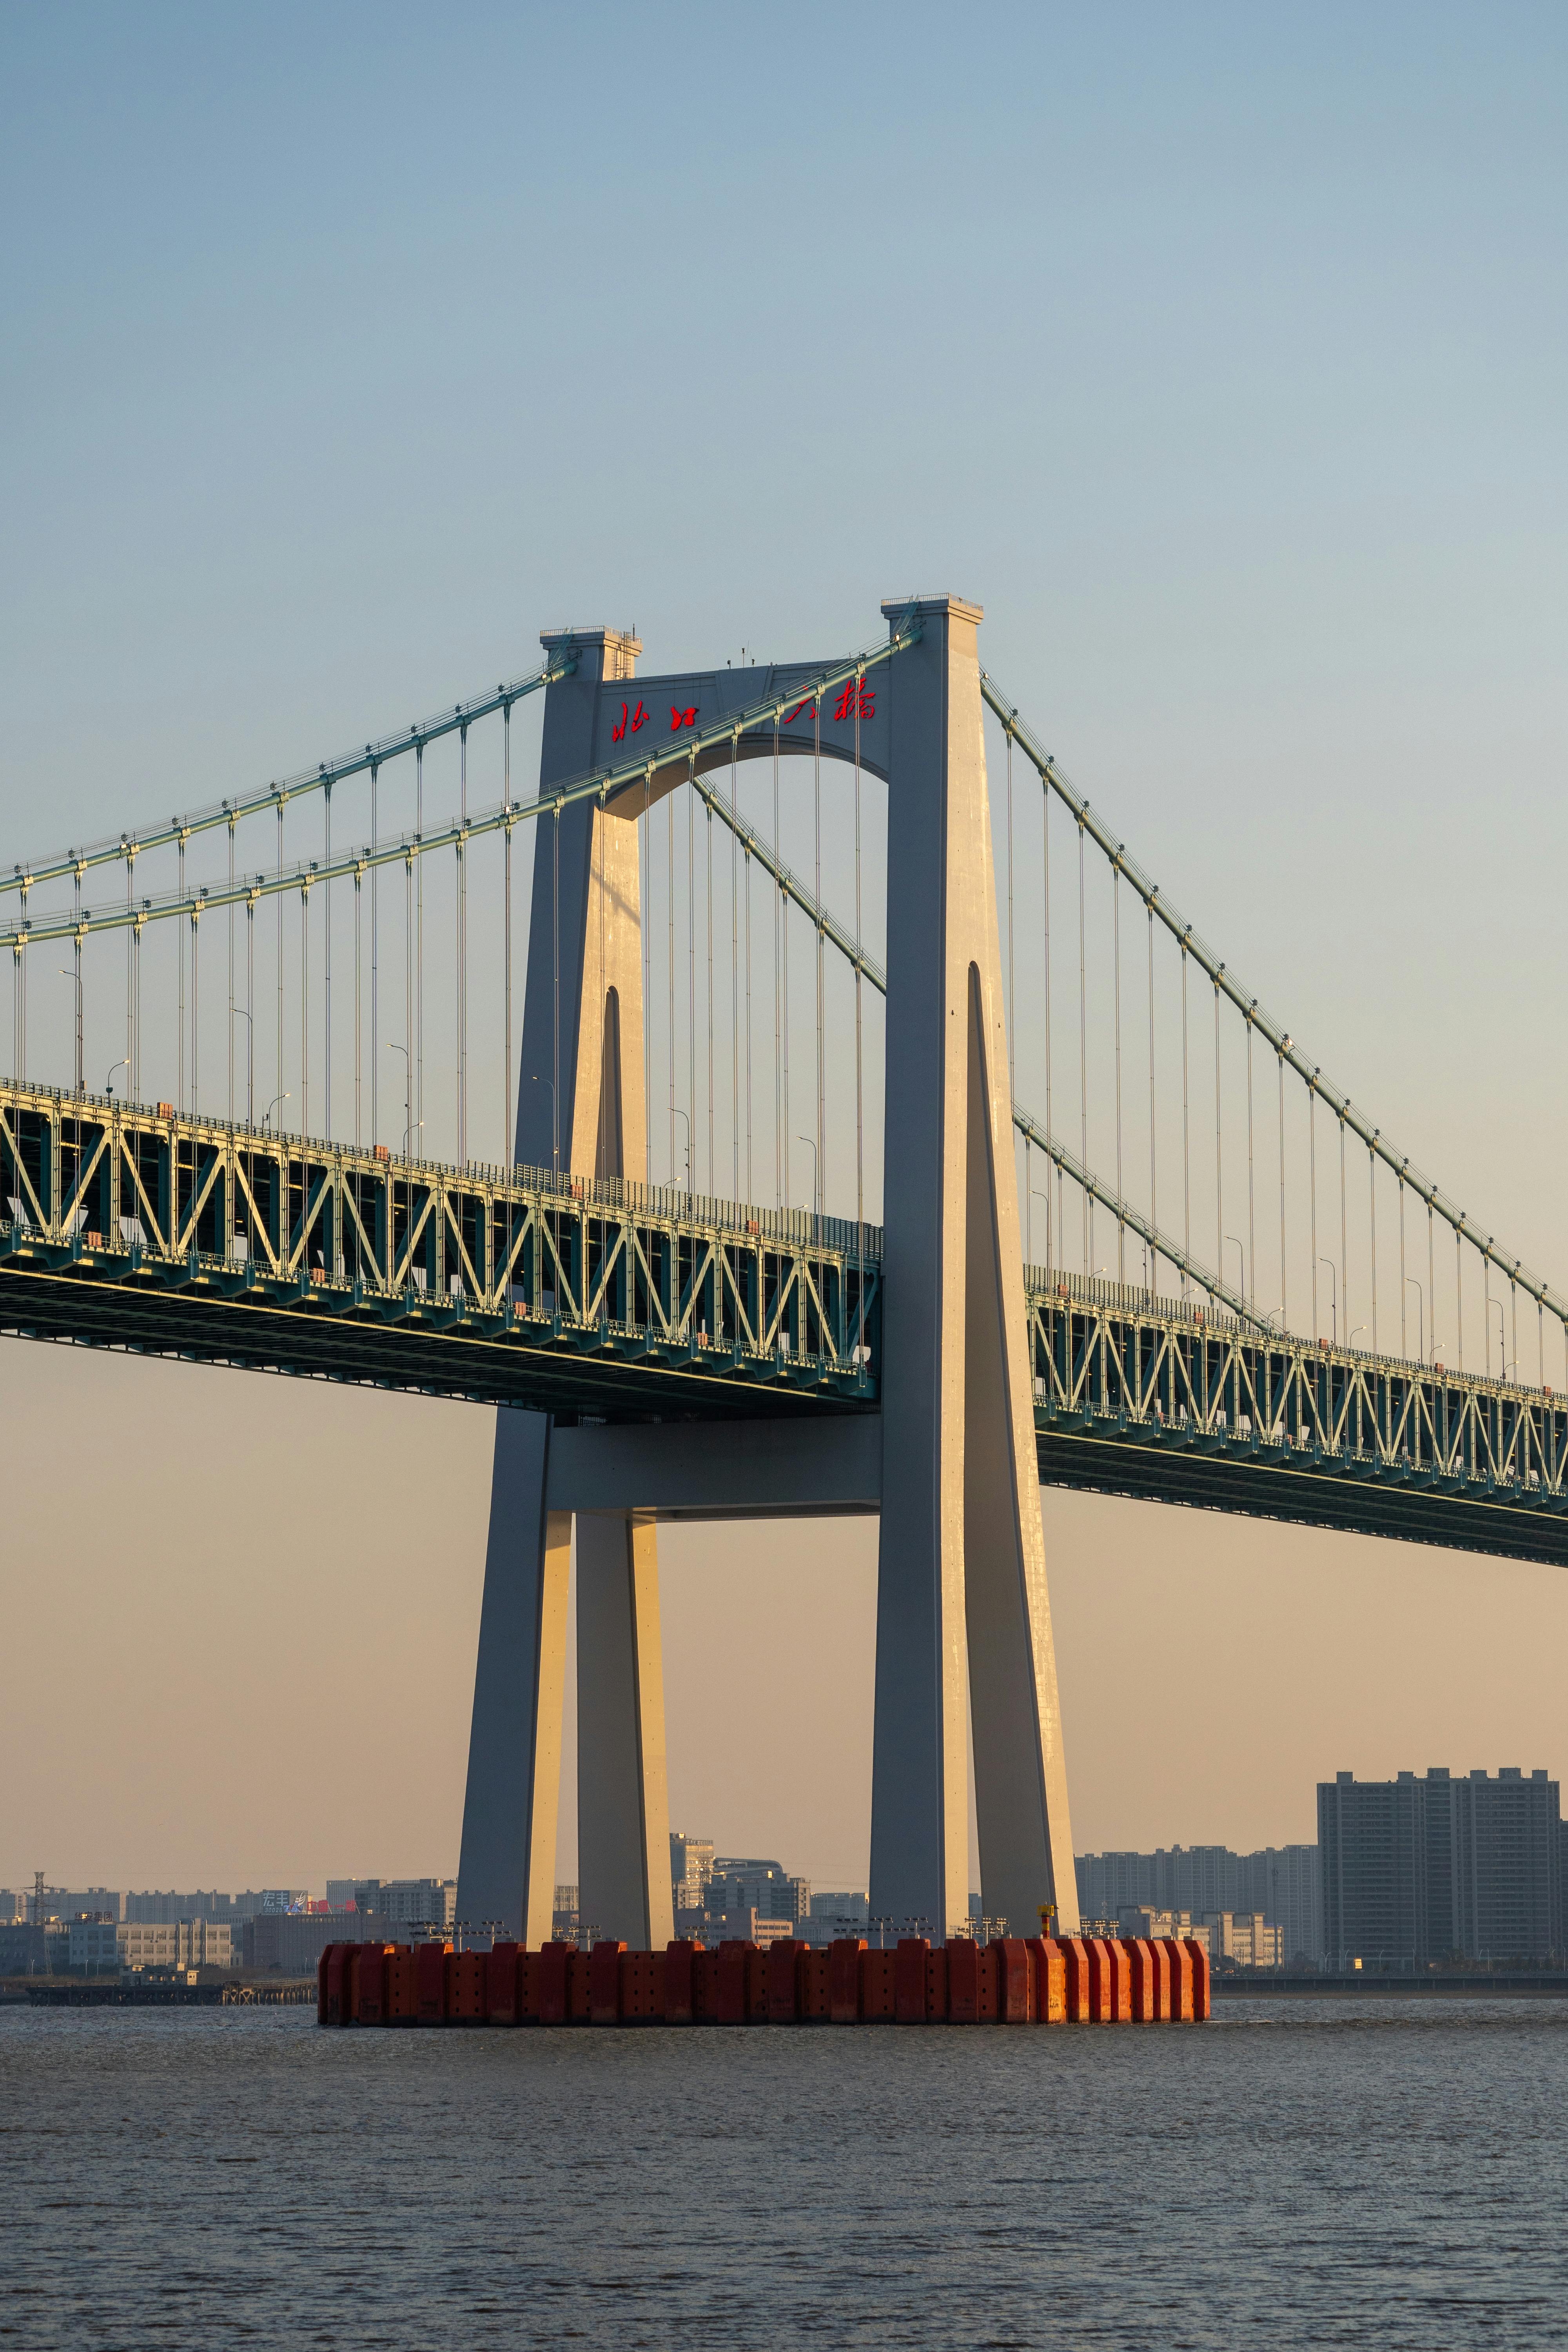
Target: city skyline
1192	1852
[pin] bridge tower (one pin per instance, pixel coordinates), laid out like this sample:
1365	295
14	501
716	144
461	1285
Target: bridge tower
964	1620
581	1110
961	1577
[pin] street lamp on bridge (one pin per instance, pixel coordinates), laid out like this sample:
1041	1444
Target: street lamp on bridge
1333	1299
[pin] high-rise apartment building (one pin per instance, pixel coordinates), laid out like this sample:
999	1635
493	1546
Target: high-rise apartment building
749	1882
1439	1866
690	1869
409	1901
1282	1882
85	1902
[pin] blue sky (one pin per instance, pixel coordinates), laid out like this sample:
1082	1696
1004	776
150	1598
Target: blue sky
1220	352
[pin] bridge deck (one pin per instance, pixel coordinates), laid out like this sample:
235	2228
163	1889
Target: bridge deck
136	1229
133	1229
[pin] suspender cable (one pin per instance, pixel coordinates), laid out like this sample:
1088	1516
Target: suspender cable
358	895
1404	1284
749	1195
508	1141
1046	910
778	1061
1186	1136
305	1009
1371	1189
1313	1167
407	1011
1282	1314
1432	1284
459	1074
195	1030
735	981
1012	981
1154	1171
180	1009
1513	1325
859	1104
1116	998
819	1181
231	1004
1459	1291
376	962
690	968
250	1013
555	996
463	951
644	917
1218	1168
81	1086
1251	1196
133	1089
783	943
278	1072
327	964
708	907
419	943
669	908
1083	1071
1344	1240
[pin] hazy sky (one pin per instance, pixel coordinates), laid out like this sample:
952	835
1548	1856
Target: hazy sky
1219	353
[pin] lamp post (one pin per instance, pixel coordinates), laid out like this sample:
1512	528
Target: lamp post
1333	1298
1241	1254
1411	1284
816	1205
270	1108
238	1013
555	1127
407	1092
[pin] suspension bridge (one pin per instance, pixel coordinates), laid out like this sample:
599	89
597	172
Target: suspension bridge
966	931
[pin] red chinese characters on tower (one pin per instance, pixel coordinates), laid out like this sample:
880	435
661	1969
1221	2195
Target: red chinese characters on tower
629	726
679	719
856	701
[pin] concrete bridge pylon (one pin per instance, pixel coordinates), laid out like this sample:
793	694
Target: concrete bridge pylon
581	1109
948	1463
962	1596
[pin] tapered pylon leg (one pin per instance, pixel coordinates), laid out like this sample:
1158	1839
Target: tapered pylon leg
506	1872
960	1577
623	1807
580	1110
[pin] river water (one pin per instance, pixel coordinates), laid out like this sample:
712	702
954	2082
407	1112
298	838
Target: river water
1367	2173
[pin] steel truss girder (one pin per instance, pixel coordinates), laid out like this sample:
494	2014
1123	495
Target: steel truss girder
1146	1396
141	1230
